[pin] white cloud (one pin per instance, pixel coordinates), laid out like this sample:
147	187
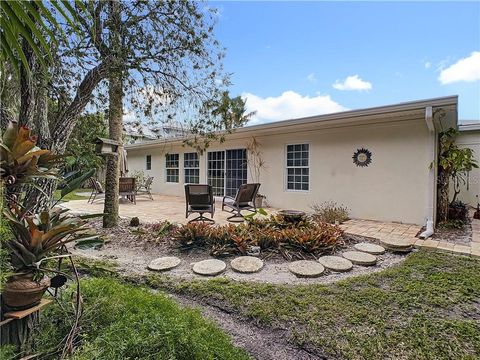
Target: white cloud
352	82
289	105
312	78
428	64
466	69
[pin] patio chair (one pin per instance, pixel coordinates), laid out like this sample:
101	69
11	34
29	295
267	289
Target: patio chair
126	188
199	199
97	190
146	188
243	200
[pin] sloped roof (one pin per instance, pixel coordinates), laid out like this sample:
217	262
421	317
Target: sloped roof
390	113
469	125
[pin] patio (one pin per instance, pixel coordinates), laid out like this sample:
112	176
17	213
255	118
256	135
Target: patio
162	207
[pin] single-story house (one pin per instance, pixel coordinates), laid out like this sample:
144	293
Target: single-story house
375	161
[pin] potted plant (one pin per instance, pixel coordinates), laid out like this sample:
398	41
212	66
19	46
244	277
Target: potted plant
255	164
33	238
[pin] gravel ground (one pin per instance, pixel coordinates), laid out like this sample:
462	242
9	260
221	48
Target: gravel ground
133	254
461	236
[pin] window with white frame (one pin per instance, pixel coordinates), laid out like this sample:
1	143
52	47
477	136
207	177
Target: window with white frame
298	167
171	164
148	162
191	166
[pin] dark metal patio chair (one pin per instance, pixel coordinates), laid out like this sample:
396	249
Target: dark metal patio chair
243	200
199	199
145	188
126	188
97	190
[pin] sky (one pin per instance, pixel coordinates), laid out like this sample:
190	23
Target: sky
296	59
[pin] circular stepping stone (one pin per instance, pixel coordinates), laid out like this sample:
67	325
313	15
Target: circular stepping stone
397	244
246	264
164	263
360	258
306	268
336	263
370	248
209	267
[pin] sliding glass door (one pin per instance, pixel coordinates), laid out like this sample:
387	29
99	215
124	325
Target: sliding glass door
226	171
216	172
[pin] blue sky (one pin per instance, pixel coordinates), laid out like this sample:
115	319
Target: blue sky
293	59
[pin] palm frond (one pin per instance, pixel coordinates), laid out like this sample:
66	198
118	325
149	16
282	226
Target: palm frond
30	21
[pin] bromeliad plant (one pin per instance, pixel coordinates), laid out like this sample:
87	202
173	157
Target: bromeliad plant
21	161
292	240
37	237
34	237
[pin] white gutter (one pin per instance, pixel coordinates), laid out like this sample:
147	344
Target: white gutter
431	177
469	127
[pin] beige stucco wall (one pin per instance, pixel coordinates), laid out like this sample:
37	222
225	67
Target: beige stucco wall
471	139
393	188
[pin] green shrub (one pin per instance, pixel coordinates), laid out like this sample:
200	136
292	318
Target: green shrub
127	322
330	212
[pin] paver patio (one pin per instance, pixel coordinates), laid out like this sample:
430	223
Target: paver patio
162	207
396	231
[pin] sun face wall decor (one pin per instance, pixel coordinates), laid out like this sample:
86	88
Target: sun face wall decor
362	157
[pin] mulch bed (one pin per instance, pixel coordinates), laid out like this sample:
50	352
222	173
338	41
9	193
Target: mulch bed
462	236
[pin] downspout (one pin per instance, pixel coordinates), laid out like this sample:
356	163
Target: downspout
431	176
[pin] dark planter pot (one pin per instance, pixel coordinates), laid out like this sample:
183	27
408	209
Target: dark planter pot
292	216
22	292
457	213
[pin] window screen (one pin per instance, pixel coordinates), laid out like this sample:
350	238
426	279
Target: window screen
171	164
191	167
298	167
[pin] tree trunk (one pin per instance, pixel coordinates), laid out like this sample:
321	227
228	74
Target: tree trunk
40	121
115	118
5	117
27	95
442	201
63	125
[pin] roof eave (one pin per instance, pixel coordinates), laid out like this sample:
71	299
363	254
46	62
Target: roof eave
332	118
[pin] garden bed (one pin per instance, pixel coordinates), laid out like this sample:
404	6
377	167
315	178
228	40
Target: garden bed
461	236
133	249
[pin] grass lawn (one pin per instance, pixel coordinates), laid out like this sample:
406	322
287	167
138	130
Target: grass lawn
130	322
426	308
73	195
